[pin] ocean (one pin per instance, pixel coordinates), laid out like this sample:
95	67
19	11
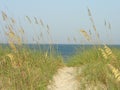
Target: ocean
64	50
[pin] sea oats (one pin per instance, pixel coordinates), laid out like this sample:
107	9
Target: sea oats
108	50
21	30
36	21
41	22
18	39
107	53
11	56
90	32
4	15
28	19
13	20
11	34
89	12
115	71
103	53
11	44
93	25
85	34
92	21
10	28
94	28
48	27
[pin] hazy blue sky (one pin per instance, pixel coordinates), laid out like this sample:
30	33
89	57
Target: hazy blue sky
67	17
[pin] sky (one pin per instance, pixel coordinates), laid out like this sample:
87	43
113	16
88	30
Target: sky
66	18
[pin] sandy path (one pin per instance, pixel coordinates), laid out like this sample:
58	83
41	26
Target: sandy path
64	80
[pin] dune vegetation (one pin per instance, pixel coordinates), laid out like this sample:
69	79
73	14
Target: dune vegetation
22	68
100	63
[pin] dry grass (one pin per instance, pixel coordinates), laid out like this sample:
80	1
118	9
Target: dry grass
20	67
115	71
85	35
101	63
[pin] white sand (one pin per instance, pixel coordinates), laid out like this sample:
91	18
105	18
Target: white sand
64	80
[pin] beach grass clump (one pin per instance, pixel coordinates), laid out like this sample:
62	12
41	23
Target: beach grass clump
96	68
21	67
100	64
82	57
27	70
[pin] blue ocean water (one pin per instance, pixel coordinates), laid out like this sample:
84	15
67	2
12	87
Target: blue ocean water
65	50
